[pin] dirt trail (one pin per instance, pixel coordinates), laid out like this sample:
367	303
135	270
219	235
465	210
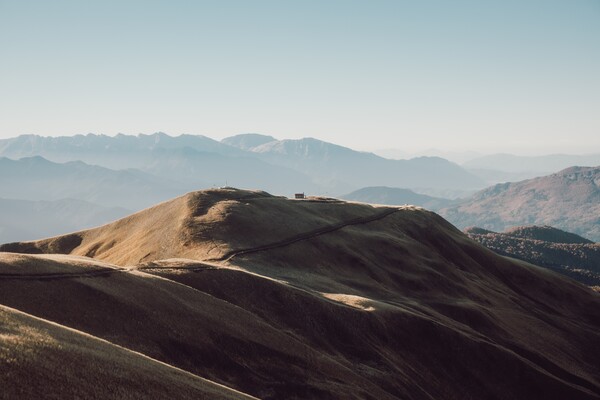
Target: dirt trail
199	266
304	236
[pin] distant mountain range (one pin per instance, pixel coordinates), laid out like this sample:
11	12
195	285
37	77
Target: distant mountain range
196	169
341	169
560	251
135	172
396	196
493	176
29	220
35	178
248	141
458	157
569	200
249	160
500	168
531	164
115	152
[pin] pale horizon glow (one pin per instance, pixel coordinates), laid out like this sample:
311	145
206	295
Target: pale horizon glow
512	76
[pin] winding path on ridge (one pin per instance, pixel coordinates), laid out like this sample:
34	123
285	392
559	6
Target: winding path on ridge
224	258
305	236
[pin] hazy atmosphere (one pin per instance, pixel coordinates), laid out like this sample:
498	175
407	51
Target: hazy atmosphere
333	199
490	76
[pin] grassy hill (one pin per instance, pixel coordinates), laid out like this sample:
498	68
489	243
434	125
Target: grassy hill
315	298
40	359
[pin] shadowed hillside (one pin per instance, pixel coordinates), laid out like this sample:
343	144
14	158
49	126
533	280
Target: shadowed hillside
176	324
316	298
43	360
560	251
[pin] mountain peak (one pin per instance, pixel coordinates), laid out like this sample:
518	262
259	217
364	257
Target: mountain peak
247	141
569	200
578	170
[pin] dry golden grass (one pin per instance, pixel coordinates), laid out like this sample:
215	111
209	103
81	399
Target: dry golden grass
187	328
43	360
21	264
200	225
402	306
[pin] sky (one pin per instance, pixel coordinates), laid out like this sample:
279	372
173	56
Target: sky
520	76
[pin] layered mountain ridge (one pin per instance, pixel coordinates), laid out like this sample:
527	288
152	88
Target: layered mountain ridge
346	169
396	196
568	200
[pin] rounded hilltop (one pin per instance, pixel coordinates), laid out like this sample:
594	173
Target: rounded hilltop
343	300
202	225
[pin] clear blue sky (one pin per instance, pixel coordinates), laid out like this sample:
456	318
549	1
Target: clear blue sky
519	75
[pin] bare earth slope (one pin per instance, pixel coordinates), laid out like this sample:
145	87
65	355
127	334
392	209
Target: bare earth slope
317	299
569	200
